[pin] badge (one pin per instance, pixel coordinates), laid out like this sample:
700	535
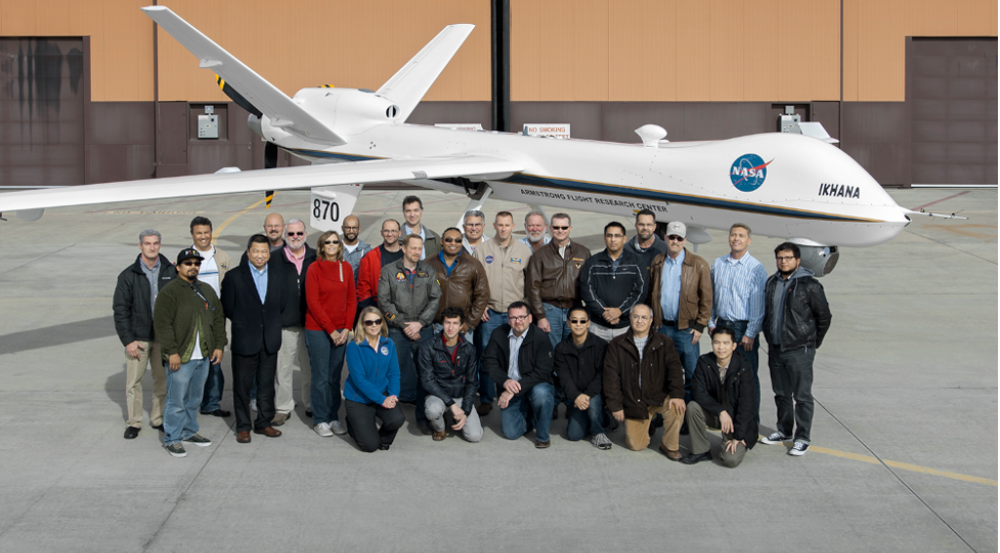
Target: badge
400	276
385	350
422	274
489	259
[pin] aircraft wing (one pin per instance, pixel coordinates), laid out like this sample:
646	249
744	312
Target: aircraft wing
284	178
282	110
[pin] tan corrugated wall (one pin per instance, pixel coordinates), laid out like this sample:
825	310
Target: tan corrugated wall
562	50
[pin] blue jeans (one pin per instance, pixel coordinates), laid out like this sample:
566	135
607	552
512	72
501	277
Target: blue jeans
514	419
185	387
487	388
576	428
740	328
410	388
213	389
327	362
687	351
558	327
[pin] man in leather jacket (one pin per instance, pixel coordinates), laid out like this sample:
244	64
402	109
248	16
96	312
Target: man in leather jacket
449	371
796	319
463	283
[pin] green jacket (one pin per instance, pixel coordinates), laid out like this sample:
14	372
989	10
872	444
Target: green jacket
180	313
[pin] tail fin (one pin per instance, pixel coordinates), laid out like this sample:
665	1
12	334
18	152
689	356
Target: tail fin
407	87
264	96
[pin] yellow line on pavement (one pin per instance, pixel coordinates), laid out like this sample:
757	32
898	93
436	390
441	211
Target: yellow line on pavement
220	228
904	466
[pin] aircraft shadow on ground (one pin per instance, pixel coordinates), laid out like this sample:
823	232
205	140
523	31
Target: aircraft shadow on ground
57	335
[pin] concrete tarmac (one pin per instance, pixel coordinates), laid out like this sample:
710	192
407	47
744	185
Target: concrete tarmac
904	454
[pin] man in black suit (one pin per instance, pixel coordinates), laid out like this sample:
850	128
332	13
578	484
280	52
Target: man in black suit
254	298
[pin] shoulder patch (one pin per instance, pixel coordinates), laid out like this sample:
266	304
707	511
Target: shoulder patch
489	259
400	276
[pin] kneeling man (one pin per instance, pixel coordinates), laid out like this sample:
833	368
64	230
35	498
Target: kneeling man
519	356
449	371
643	377
724	395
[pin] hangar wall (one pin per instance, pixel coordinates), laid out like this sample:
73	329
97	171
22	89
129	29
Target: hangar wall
702	69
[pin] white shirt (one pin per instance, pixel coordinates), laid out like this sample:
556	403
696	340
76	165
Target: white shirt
209	273
513	370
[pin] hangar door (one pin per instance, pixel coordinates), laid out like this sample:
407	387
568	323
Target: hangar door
953	86
41	112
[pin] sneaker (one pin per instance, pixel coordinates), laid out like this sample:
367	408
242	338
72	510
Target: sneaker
775	438
176	449
253	405
198	440
601	441
323	430
338	428
799	448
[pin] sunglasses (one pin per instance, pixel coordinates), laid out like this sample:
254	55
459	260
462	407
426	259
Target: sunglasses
296	234
675	238
559	228
578	321
373	322
329	242
190	263
452	240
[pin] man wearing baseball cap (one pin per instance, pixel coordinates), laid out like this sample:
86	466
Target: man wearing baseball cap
190	324
681	296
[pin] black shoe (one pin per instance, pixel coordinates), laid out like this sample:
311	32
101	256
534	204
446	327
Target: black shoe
425	428
383	447
484	409
693	458
684	430
157	427
309	412
216	413
131	432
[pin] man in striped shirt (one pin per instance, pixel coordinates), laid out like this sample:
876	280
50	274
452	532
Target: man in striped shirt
738	281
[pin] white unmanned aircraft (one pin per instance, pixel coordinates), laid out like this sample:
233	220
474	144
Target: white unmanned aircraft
782	185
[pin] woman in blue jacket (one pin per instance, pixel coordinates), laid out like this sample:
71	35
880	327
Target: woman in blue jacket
372	384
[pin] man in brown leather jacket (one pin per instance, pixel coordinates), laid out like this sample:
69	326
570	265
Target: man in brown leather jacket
553	279
463	282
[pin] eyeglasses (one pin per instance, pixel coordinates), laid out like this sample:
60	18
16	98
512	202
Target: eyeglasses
578	321
559	228
675	238
296	234
517	318
785	258
614	236
329	242
373	322
190	263
452	240
474	224
352	228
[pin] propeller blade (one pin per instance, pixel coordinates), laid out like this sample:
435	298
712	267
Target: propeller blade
236	96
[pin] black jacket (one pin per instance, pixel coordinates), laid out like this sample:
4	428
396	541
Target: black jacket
133	314
741	394
534	359
806	315
449	378
601	286
660	370
295	312
580	370
254	325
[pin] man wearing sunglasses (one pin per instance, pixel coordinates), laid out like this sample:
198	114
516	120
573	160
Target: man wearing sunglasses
214	265
463	283
191	327
552	285
292	262
681	297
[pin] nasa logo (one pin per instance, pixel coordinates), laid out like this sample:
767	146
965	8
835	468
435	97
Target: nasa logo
489	259
385	350
748	172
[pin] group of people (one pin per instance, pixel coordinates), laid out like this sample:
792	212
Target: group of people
457	322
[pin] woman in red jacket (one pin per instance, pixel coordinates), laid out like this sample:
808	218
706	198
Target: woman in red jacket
330	305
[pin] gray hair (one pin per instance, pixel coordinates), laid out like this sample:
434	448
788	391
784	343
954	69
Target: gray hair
294	221
474	213
534	212
149	232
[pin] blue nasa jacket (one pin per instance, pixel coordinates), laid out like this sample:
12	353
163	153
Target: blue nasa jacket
372	375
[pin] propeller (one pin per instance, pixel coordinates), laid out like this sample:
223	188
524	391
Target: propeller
271	149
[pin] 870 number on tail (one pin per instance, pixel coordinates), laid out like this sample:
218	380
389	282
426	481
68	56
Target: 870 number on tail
326	210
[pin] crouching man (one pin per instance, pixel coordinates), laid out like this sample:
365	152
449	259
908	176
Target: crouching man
723	394
643	377
449	371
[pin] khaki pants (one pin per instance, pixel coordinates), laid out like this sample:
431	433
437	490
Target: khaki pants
293	352
637	430
135	369
698	419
